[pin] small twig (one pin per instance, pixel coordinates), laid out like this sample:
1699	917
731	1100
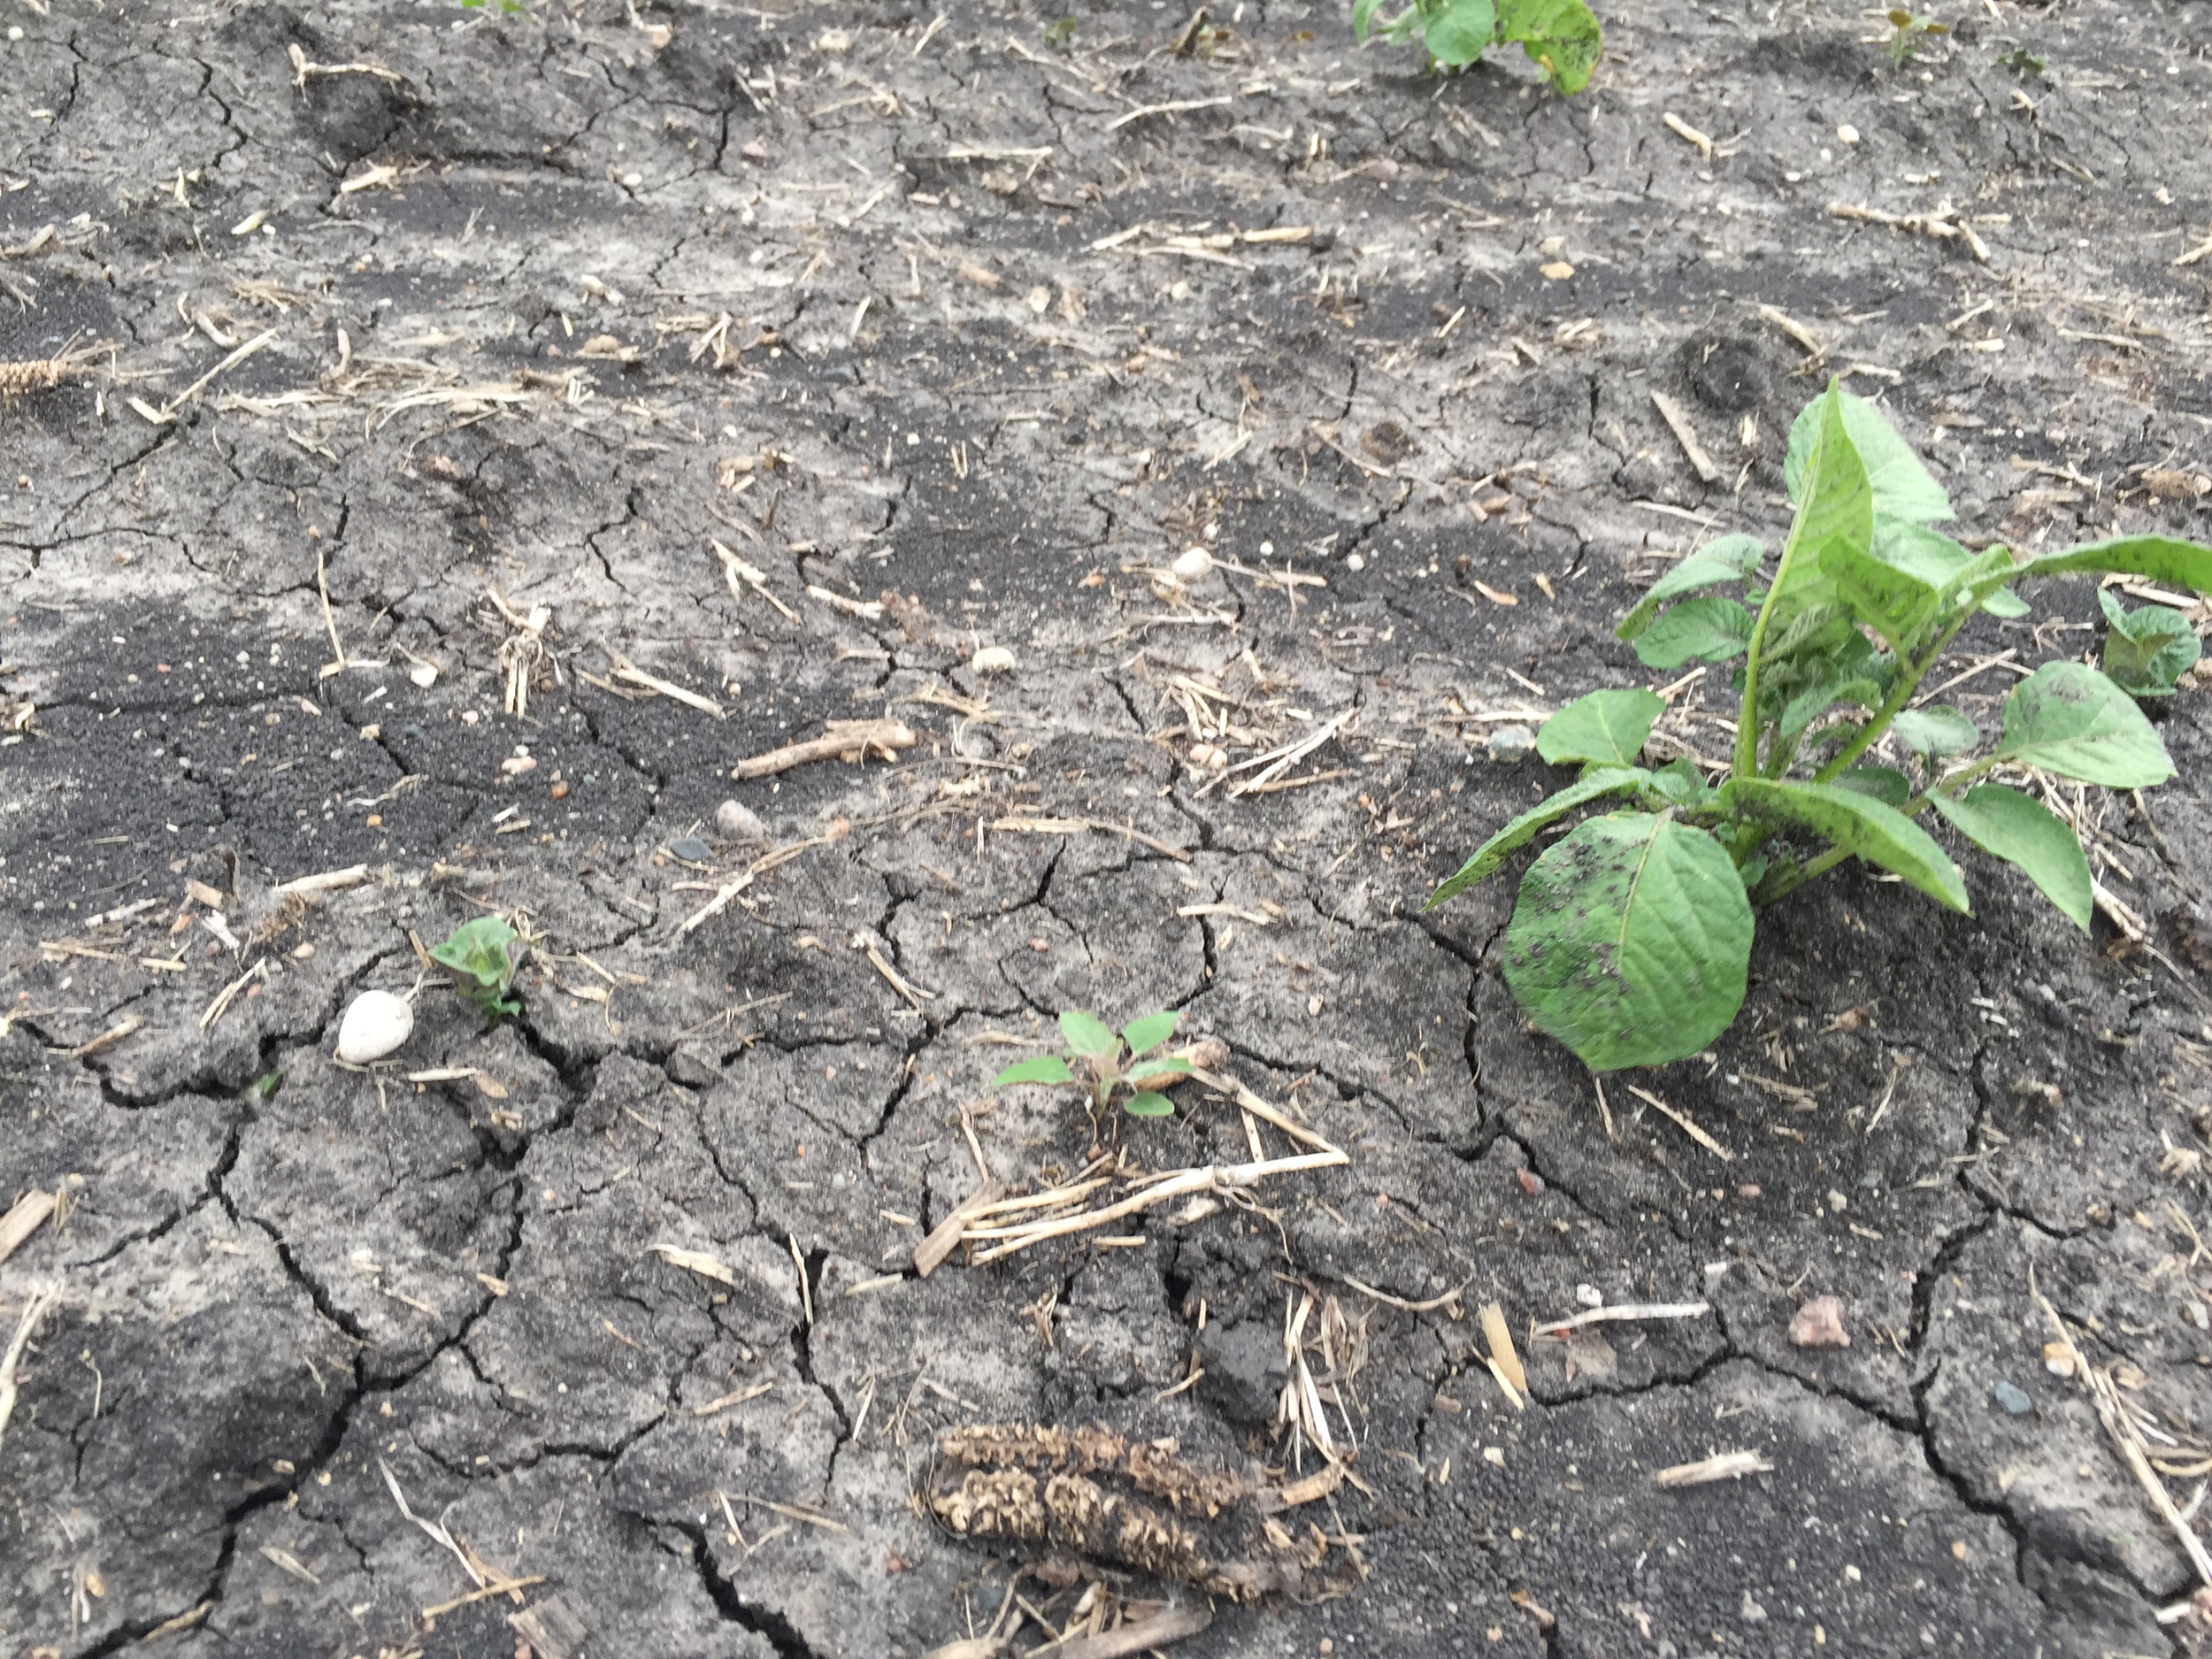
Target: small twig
12	1360
1624	1310
1683	1121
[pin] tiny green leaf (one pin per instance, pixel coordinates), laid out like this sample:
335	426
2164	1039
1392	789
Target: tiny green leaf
2068	719
1729	559
1631	941
2023	831
1594	785
1606	728
1089	1035
1858	823
1046	1068
1148	1104
1149	1032
1362	14
1706	630
1935	732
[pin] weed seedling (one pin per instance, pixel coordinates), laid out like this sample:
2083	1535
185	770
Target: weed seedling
1560	36
1632	937
483	957
2023	63
1909	33
1095	1058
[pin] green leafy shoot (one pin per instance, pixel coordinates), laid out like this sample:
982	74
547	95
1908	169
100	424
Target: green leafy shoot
2147	650
2023	63
1909	33
483	957
1631	940
1561	37
1109	1063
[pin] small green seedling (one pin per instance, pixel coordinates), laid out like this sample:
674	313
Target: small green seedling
2023	63
1631	942
1060	34
2146	651
1561	37
511	8
1910	30
483	957
1094	1059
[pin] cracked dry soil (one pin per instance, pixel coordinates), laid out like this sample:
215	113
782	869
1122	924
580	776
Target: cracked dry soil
891	304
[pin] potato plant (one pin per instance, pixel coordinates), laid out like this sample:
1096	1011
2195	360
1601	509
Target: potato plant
483	957
1560	36
1631	936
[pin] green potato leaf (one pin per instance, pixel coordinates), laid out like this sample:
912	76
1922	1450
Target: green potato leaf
1935	732
2068	719
1046	1068
1148	1104
2147	650
1151	1031
1363	16
1708	630
1896	584
1859	823
1899	486
1460	32
1089	1035
1561	37
1729	559
1835	509
1631	941
485	951
2024	833
1594	785
1606	728
1885	784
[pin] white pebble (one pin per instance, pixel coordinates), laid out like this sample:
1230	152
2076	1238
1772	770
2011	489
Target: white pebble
993	659
1509	743
374	1025
1194	566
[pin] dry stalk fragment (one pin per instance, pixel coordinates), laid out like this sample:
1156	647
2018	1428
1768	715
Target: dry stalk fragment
848	741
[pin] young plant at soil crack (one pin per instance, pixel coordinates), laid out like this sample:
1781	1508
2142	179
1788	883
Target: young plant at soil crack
1631	936
1560	36
1106	1063
483	957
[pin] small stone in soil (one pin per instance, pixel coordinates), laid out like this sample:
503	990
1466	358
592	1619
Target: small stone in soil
1819	1324
691	850
2012	1398
739	823
1511	743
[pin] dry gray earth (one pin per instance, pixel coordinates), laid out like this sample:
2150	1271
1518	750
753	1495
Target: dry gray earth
894	304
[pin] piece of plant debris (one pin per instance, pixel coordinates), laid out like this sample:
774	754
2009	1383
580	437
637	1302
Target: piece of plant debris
1094	1059
1631	936
1136	1504
2146	651
1561	37
483	957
